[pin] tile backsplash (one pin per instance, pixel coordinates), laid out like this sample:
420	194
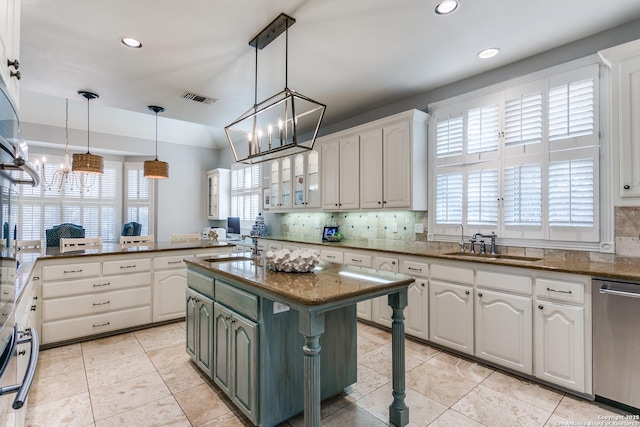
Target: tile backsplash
372	226
377	228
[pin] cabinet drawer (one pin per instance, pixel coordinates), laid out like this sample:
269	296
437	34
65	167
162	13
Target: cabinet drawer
331	256
98	284
70	271
82	305
126	266
357	259
452	274
96	324
237	299
200	283
503	281
560	290
175	261
414	268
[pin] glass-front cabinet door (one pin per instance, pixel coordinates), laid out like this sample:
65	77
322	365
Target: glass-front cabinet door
286	184
306	180
275	185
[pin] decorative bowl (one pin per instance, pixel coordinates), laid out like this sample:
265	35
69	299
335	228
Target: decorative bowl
292	261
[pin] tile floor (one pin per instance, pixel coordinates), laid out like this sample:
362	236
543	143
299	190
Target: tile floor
145	378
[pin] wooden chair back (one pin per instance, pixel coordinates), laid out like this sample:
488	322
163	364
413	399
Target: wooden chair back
184	237
136	240
67	245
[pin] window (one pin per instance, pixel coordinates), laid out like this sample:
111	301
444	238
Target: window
139	197
246	190
96	208
521	161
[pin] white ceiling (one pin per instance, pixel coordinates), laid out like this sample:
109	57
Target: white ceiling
353	55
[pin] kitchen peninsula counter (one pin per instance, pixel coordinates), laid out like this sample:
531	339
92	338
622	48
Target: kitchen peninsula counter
622	268
247	292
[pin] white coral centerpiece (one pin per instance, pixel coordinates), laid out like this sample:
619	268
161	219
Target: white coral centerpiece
297	260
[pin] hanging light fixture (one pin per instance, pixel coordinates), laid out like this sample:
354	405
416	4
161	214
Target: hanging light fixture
156	169
87	162
276	126
63	175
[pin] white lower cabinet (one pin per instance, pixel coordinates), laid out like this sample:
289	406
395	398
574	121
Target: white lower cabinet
416	314
504	329
380	310
559	344
451	315
169	287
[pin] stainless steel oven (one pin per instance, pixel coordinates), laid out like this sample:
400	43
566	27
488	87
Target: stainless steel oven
616	343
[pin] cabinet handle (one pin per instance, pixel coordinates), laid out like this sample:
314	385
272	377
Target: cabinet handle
22	352
72	271
330	256
379	203
97	285
122	267
422	284
627	186
101	324
356	260
558	290
540	307
101	303
174	262
480	295
33	307
15	63
384	202
393	263
336	204
467	293
414	269
36	278
16	74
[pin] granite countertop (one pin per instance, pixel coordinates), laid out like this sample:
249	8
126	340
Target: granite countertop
627	269
327	283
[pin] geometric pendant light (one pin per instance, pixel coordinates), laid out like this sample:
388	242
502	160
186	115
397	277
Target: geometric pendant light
87	162
156	169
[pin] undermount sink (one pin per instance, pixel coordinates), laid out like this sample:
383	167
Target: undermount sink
494	257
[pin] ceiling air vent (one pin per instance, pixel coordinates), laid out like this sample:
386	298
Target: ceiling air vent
198	98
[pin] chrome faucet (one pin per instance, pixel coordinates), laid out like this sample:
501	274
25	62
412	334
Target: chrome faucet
254	242
461	242
483	249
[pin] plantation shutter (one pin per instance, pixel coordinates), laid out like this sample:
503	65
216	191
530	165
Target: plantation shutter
482	197
449	198
245	191
522	190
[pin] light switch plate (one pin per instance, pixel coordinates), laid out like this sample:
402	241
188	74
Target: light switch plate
419	228
279	307
394	227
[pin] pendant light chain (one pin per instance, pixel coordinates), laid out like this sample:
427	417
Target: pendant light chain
286	56
88	133
156	135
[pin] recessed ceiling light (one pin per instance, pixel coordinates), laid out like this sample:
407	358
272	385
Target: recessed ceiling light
488	53
445	7
131	42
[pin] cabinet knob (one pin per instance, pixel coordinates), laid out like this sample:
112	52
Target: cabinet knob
15	63
379	203
479	295
540	307
22	352
16	74
627	186
467	293
422	284
33	308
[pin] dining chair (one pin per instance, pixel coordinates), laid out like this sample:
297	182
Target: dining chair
136	240
67	245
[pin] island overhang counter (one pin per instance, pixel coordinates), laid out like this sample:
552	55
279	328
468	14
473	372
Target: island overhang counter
315	297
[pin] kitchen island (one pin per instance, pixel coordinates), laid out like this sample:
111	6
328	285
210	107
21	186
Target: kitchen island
248	300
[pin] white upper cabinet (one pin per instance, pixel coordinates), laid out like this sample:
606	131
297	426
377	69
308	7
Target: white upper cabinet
281	185
306	180
10	46
218	193
340	166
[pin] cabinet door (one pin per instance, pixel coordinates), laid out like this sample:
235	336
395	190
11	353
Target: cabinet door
168	286
286	197
204	337
215	195
330	164
380	310
350	173
396	155
559	345
504	332
451	315
299	181
244	359
628	126
221	349
192	323
9	43
274	175
417	311
371	170
363	310
313	180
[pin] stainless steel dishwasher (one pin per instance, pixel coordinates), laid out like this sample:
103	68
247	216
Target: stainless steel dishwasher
616	342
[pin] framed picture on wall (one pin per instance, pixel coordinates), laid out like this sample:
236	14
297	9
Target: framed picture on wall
266	198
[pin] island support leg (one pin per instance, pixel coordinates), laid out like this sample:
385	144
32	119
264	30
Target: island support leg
311	326
398	410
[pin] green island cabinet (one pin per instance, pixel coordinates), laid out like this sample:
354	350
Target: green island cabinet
250	347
